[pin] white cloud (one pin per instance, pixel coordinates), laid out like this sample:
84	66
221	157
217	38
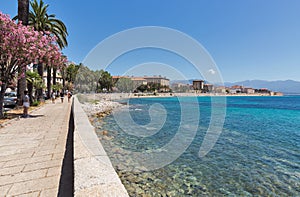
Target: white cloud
212	71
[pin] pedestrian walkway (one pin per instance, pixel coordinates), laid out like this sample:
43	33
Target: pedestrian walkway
32	151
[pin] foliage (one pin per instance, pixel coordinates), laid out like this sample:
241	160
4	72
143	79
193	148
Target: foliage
34	82
71	72
88	81
35	79
47	24
35	103
153	87
105	81
125	85
85	81
20	45
142	88
57	87
41	21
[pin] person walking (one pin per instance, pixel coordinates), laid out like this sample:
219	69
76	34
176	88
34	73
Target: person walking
25	104
62	95
69	96
53	97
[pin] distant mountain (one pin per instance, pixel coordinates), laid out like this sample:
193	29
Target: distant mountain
287	86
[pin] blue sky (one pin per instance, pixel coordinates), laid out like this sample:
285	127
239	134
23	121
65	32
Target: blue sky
248	39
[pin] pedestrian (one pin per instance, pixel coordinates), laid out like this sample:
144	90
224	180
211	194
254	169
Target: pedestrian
25	104
53	97
69	96
62	96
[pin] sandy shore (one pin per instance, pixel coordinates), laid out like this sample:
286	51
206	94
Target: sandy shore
102	103
105	97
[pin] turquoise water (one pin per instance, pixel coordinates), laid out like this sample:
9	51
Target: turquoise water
257	153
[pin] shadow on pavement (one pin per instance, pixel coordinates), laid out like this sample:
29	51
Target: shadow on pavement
66	183
35	116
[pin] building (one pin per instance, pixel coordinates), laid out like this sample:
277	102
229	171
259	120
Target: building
198	85
237	87
262	91
233	91
248	90
181	87
116	78
59	78
220	89
278	94
208	88
137	81
163	81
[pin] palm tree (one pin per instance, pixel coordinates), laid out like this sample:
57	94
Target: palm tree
23	12
41	21
34	80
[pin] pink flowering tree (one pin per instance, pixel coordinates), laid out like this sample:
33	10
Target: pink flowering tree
19	46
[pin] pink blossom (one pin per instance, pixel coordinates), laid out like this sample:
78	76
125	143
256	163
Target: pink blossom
20	45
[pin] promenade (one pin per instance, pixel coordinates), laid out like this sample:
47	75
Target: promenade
32	152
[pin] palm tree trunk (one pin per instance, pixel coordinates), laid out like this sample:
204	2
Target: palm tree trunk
23	12
30	90
48	81
21	86
54	76
39	91
63	73
2	92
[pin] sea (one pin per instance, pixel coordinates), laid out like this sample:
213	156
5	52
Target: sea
250	145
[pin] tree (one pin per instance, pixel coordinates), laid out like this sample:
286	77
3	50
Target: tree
48	24
20	45
124	85
69	75
105	81
142	88
34	82
84	81
41	21
71	72
23	12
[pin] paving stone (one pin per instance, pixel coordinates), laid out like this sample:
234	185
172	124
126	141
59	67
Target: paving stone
47	147
4	189
39	153
43	165
28	160
34	185
11	170
49	193
32	150
58	155
2	164
31	194
54	171
20	177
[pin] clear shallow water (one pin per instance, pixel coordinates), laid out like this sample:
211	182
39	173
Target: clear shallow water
257	153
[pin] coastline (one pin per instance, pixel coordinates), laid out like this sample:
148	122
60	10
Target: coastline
112	97
134	182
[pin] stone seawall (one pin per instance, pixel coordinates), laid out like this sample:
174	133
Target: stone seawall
94	174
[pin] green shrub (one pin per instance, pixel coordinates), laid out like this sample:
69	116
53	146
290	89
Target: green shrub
36	103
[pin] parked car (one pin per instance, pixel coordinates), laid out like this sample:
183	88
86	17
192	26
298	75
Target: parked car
10	99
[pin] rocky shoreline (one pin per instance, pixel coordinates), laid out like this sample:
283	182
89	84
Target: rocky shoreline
99	108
